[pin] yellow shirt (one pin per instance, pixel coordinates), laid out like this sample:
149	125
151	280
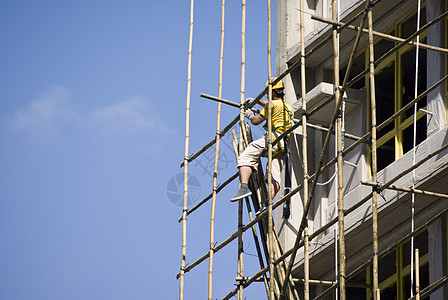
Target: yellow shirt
280	116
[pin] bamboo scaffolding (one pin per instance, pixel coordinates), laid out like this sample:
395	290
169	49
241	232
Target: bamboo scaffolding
293	67
363	73
274	260
215	167
324	147
374	157
379	34
264	92
187	139
299	187
385	252
348	149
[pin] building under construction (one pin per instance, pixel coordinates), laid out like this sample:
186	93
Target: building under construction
363	208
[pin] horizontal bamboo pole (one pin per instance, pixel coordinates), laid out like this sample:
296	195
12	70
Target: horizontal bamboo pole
379	34
432	287
399	46
228	102
325	129
328	282
218	189
404	189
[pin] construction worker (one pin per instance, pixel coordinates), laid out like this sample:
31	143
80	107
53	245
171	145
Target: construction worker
282	115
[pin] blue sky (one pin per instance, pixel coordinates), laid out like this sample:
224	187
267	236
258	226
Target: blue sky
92	116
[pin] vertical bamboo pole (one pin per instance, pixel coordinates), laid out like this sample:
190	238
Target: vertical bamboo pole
215	168
374	155
187	139
304	149
269	167
414	145
338	136
417	276
243	136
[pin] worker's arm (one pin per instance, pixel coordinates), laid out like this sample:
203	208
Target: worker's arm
262	102
256	120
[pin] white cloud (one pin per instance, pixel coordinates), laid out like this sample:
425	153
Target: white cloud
129	116
48	113
53	111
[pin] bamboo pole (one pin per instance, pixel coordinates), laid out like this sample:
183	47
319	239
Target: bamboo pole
187	139
269	166
243	136
340	187
379	34
374	157
304	148
417	275
408	190
215	168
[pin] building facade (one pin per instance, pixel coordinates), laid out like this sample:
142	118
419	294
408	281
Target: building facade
395	78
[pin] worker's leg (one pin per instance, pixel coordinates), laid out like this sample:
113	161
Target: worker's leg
245	172
248	163
276	173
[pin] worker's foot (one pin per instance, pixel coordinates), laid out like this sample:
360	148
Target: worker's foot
261	210
242	192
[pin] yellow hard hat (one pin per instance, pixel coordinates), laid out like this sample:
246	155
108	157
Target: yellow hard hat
278	85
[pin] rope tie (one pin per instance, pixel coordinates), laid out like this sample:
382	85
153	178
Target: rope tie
377	188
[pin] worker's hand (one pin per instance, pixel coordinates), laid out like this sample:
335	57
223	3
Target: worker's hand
248	113
247	102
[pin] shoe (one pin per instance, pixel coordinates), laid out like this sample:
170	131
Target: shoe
242	192
261	210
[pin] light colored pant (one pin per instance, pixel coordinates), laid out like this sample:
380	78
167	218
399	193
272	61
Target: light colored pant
250	157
